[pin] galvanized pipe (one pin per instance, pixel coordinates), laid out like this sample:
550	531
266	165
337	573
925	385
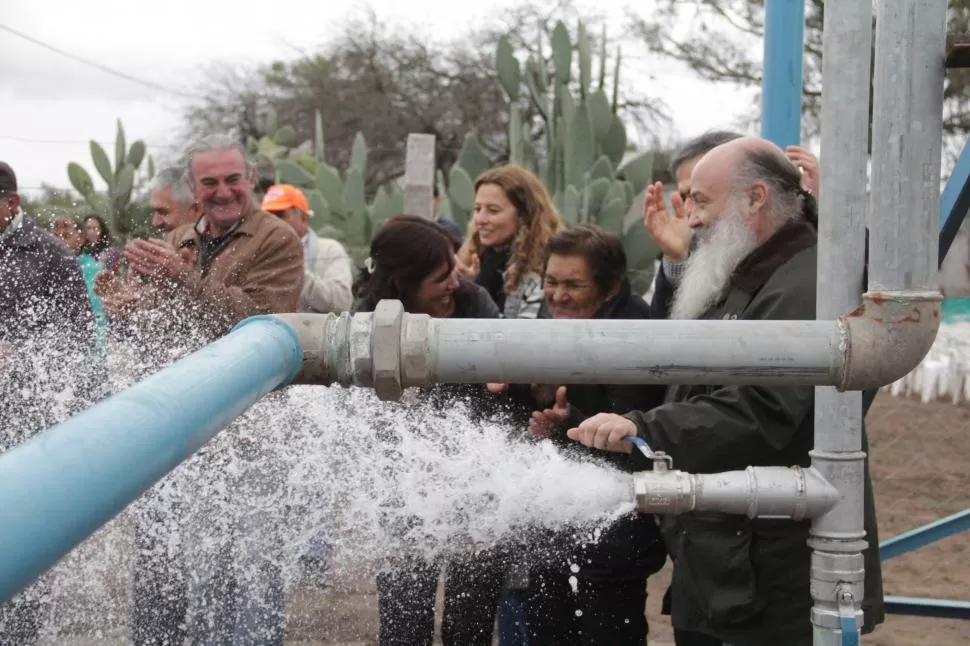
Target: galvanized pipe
756	492
62	485
906	144
390	350
837	537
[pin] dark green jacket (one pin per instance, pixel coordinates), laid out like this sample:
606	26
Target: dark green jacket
741	580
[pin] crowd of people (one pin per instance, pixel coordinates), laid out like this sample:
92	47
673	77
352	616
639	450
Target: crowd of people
738	241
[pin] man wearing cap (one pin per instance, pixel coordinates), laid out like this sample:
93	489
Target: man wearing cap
46	337
327	275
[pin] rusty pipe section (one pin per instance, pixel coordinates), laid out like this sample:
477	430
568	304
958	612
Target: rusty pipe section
757	492
389	350
886	337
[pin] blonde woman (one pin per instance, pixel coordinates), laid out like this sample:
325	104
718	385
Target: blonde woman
505	247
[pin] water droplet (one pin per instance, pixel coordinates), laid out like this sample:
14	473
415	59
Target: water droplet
579	613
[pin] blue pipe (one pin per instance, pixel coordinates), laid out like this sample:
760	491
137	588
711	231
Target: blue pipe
62	485
781	86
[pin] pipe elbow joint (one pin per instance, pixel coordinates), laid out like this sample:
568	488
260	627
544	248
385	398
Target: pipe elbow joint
886	337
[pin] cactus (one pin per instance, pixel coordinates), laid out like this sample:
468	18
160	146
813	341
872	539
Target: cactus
339	204
124	216
585	143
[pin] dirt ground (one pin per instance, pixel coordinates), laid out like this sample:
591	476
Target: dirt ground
918	452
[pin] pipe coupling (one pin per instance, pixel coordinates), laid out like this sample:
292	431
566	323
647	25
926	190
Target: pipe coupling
886	337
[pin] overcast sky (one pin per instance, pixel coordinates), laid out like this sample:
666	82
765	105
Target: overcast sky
51	105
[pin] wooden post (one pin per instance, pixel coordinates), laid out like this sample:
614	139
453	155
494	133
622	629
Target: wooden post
419	176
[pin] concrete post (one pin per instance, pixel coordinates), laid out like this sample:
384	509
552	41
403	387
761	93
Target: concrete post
837	536
419	176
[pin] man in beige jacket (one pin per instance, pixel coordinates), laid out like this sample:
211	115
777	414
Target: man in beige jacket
327	273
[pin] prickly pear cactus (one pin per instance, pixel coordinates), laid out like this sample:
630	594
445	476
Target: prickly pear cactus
124	216
339	203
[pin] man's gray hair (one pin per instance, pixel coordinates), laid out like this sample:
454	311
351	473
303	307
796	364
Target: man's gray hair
174	178
787	199
701	145
211	143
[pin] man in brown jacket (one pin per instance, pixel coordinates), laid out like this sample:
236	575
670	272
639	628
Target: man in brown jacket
235	261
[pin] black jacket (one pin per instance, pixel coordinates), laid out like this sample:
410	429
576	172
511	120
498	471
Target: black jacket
632	547
46	332
738	579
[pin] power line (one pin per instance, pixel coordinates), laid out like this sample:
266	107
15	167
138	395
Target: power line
95	64
31	140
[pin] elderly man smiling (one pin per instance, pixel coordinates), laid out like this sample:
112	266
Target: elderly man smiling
741	581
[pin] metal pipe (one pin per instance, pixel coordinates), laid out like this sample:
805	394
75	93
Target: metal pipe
906	144
781	85
837	536
390	350
756	492
62	485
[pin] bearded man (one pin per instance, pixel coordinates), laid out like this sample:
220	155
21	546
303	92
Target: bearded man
741	581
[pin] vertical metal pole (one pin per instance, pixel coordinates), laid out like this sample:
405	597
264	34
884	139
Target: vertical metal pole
781	86
838	537
906	143
419	176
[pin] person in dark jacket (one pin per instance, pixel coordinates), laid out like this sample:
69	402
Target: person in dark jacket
677	242
45	322
413	260
742	581
585	277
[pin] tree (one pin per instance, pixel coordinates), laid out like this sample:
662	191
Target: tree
723	38
386	82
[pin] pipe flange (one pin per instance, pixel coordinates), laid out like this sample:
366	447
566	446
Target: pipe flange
415	352
386	349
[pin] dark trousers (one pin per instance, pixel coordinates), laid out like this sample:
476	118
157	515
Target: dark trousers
600	611
688	638
160	598
406	602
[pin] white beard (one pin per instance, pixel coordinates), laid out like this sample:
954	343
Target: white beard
709	267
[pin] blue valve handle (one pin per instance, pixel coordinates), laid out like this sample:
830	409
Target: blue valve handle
850	631
641	444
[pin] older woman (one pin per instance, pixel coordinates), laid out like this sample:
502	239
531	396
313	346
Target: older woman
586	278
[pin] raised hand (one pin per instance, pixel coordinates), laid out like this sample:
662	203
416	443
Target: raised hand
670	232
808	162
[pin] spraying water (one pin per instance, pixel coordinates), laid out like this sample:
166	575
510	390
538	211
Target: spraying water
329	466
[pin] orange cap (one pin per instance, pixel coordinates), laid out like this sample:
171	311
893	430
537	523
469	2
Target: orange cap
280	197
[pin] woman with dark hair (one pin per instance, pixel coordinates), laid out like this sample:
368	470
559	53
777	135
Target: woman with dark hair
98	243
413	260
